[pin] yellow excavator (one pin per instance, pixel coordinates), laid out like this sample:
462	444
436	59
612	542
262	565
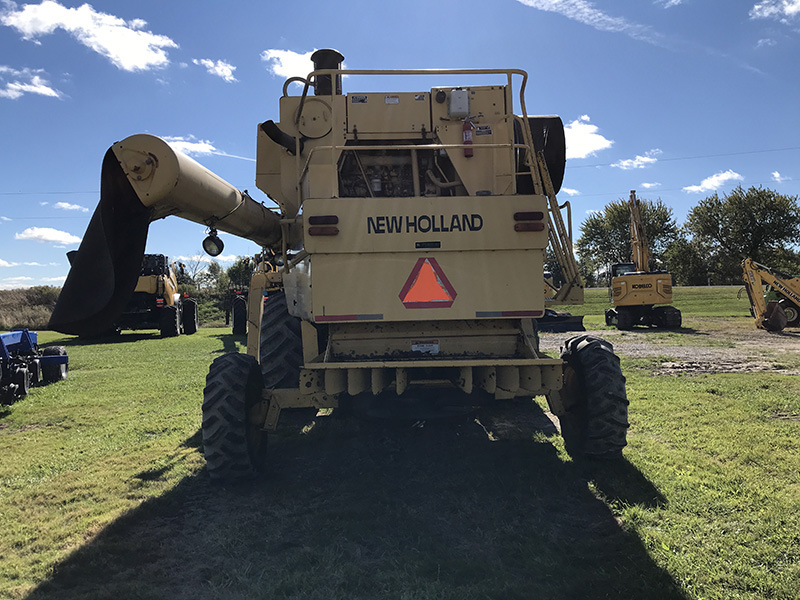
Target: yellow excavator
774	296
636	290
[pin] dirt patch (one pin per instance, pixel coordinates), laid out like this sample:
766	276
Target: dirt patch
711	346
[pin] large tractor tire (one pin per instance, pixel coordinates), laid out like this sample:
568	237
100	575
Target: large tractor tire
234	447
791	311
281	354
191	321
170	323
239	315
53	373
280	346
596	423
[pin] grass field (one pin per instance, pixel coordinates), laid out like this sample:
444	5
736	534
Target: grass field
103	492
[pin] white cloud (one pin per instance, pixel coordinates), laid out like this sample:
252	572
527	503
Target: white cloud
285	63
777	177
650	186
125	43
714	182
583	138
4	219
47	235
766	43
570	191
219	68
68	206
782	10
15	83
670	3
204	258
54	279
640	162
585	12
193	147
5	263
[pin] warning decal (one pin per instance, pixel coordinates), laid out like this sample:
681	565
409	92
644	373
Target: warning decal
427	286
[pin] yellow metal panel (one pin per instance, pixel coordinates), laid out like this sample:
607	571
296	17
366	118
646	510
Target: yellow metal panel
380	114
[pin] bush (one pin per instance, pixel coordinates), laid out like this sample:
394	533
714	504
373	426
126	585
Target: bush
27	308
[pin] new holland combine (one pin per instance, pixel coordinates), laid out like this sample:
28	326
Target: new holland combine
403	265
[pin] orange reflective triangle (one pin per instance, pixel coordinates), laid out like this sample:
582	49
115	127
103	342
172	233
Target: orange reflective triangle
427	287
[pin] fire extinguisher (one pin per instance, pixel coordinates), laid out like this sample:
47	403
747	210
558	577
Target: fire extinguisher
467	134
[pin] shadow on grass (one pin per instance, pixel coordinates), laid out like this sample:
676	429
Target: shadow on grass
366	510
229	342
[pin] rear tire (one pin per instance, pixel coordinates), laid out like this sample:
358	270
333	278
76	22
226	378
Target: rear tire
280	346
191	322
170	321
58	372
281	354
239	315
596	420
792	313
234	447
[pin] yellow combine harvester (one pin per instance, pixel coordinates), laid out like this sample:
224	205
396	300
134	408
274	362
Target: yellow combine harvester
636	290
404	267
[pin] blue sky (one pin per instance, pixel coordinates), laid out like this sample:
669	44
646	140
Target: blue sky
674	98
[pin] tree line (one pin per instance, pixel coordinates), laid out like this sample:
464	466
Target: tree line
708	248
212	286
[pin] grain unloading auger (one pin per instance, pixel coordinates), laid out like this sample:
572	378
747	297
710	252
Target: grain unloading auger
405	267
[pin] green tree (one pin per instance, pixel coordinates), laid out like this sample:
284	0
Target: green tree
240	272
605	236
757	223
688	262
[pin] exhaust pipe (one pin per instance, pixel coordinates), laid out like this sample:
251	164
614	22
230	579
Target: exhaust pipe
144	179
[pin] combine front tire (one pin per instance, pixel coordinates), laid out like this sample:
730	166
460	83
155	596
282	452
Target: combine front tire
191	322
170	321
234	447
596	421
239	315
54	372
281	348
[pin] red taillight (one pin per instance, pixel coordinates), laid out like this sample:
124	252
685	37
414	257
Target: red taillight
323	230
536	215
529	227
323	220
529	221
160	302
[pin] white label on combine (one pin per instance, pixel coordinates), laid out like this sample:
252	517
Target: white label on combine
358	99
392	99
425	346
483	130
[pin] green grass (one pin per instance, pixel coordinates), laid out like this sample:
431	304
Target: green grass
103	491
693	302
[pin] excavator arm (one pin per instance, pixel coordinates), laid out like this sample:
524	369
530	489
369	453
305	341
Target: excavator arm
768	315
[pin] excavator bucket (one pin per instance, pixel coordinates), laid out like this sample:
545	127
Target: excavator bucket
776	319
105	268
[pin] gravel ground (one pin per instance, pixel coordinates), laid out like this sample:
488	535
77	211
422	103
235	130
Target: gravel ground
708	346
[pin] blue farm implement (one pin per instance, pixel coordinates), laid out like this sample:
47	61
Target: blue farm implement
23	365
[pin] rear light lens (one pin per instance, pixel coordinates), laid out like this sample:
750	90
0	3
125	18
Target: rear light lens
323	220
323	230
160	302
529	227
536	215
